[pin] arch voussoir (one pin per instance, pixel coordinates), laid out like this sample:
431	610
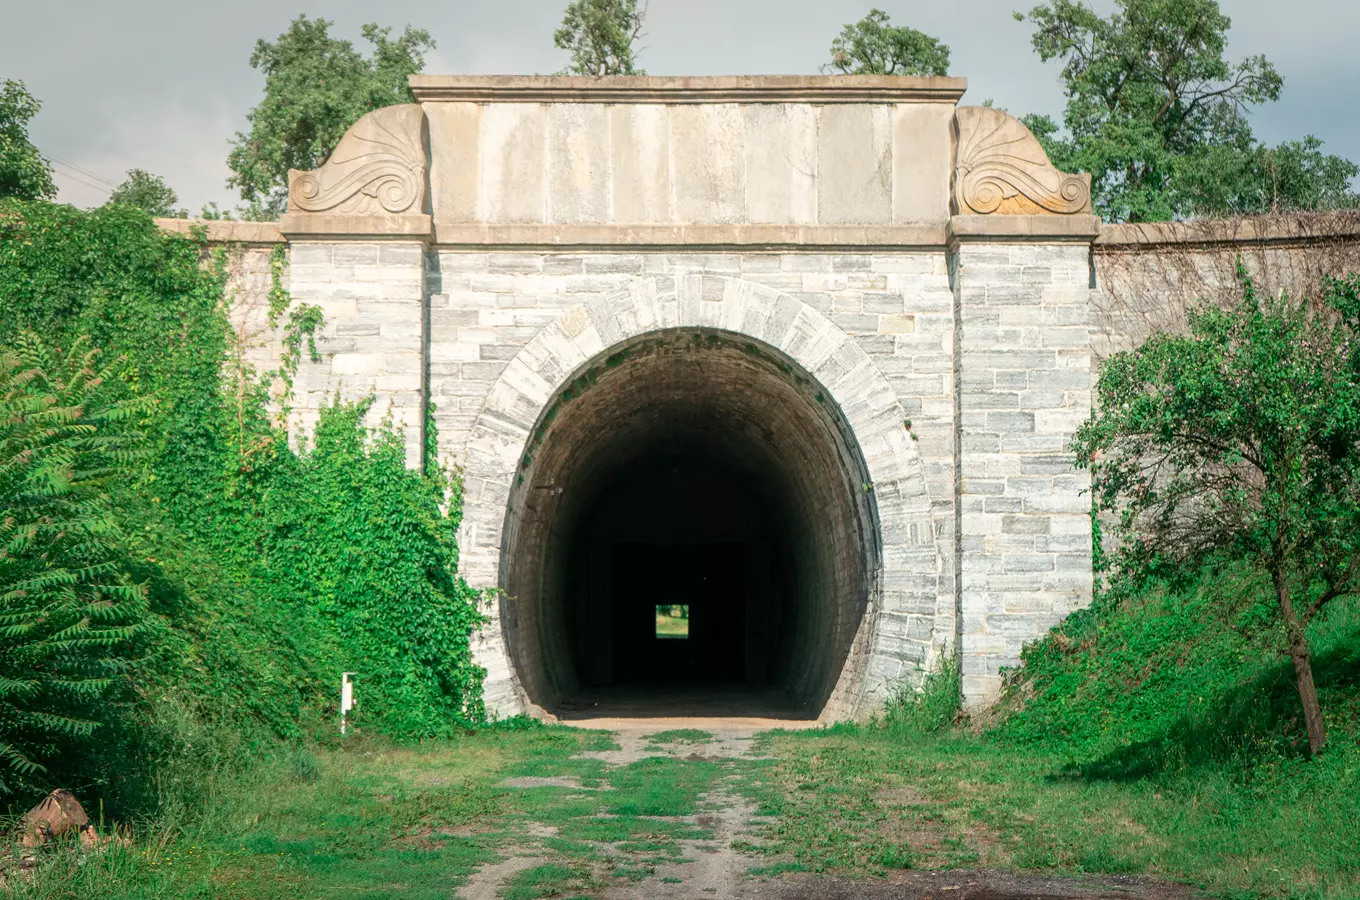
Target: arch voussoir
531	383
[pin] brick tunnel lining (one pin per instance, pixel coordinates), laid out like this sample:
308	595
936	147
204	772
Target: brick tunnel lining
707	460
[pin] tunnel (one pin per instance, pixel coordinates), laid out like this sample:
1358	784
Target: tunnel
691	532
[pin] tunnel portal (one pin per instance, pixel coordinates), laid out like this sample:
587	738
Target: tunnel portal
692	532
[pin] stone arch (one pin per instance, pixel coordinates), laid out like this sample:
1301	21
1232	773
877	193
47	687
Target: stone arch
897	626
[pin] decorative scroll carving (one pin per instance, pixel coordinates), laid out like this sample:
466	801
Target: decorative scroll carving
1001	168
377	168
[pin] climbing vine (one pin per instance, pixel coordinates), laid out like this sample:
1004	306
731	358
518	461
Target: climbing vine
271	569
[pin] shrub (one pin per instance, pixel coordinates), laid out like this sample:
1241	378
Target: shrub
931	709
262	571
69	614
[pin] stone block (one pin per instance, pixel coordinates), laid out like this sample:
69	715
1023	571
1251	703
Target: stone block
781	163
578	155
455	161
884	303
1009	422
512	152
302	252
388	383
640	164
921	150
854	164
707	163
513	264
359	253
356	363
896	324
1059	421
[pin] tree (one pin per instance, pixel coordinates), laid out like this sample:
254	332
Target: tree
600	35
1295	175
1154	109
24	173
68	613
1242	438
148	192
316	87
872	46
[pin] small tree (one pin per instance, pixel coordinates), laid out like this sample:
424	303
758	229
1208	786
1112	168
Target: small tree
68	615
148	192
1242	437
600	35
24	174
873	46
315	88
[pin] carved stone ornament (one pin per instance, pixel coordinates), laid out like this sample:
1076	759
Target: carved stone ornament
378	168
1001	168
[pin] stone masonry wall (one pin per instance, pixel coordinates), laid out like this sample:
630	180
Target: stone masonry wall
372	296
396	315
1023	382
903	606
484	307
990	347
1148	276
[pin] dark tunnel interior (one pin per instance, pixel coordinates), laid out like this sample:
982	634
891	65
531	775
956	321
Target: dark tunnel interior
691	534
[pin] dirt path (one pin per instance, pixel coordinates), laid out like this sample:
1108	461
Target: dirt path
720	866
486	882
732	738
708	868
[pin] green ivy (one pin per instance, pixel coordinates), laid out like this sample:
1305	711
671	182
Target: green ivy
268	570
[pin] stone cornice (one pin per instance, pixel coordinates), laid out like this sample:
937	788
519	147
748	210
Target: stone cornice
839	238
220	231
687	89
315	226
1283	229
1010	229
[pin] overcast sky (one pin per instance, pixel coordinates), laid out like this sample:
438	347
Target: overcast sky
163	85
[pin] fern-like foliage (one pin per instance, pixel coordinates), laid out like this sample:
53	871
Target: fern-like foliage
69	443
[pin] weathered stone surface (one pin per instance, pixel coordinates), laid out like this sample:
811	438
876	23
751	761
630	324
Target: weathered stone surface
455	171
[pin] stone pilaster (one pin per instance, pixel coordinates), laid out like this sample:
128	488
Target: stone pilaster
1022	377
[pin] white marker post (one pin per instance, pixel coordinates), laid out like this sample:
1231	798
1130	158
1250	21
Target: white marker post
346	699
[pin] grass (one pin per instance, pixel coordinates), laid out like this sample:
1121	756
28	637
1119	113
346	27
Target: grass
857	799
671	626
681	736
371	819
1144	740
374	820
551	880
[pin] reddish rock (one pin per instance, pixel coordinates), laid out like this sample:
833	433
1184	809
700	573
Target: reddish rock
60	813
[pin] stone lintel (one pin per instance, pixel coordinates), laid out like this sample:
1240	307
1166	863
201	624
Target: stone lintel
707	237
1010	229
220	231
314	226
687	89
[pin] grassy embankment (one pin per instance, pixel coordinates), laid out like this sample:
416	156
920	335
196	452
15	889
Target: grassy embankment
1147	739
